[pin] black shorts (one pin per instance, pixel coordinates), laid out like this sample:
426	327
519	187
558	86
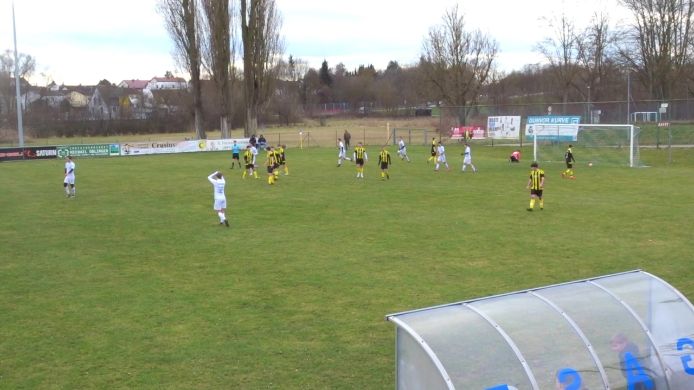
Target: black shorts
384	165
513	159
433	153
537	193
359	161
569	165
235	156
270	169
249	166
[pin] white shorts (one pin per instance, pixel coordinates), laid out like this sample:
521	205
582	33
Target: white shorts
220	204
69	179
402	151
441	158
342	155
467	161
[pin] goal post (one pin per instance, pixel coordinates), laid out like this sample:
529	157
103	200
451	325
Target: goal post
609	145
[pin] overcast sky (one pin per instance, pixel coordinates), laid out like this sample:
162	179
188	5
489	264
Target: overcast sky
84	41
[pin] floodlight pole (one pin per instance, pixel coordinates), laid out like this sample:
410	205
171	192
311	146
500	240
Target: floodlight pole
20	126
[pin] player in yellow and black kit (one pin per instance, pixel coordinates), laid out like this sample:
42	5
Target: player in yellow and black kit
360	157
569	158
276	170
270	162
250	164
384	161
536	183
283	158
434	145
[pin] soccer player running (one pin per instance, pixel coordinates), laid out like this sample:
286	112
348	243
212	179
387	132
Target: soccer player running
467	159
441	157
536	183
69	181
402	150
569	158
249	160
433	151
384	161
270	162
276	170
360	157
220	199
341	152
235	150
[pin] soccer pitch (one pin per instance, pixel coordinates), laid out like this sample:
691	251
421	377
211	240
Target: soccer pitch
133	284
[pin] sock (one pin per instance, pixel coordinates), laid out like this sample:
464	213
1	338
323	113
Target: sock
221	216
244	174
532	203
73	191
383	175
387	175
437	167
67	191
286	170
542	203
464	166
269	179
255	174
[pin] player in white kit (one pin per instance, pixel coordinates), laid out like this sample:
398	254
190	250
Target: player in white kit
467	159
69	182
220	199
441	157
341	152
402	150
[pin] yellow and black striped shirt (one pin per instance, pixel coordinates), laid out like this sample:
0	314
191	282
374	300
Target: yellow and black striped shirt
384	157
271	159
359	152
536	177
282	157
248	156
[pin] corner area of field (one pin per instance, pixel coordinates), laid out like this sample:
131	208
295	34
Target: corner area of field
133	284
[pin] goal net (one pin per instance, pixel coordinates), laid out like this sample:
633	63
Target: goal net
605	145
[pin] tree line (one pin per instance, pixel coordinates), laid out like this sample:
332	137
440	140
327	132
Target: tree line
457	65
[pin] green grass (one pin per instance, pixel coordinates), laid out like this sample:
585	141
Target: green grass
133	284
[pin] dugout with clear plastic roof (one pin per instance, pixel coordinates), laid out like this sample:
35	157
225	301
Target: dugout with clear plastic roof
625	331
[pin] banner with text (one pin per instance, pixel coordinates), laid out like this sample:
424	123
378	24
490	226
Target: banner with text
161	147
28	153
504	127
92	150
225	144
552	127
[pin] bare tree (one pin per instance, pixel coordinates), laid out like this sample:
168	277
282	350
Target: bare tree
658	44
217	54
563	51
457	62
262	48
27	66
596	59
183	23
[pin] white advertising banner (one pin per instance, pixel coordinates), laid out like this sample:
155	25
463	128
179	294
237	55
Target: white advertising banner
504	127
553	127
161	147
225	144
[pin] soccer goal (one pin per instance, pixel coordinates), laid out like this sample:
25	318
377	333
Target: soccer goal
610	145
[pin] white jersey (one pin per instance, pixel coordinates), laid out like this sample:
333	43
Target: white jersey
401	146
467	155
218	185
341	152
70	172
441	153
254	151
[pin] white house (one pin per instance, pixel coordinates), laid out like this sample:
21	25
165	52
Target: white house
166	83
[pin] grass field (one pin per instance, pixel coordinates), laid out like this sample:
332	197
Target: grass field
133	284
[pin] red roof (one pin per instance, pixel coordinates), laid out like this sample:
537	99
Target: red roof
135	84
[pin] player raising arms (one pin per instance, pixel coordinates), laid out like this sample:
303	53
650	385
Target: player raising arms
402	150
384	161
536	184
220	199
360	157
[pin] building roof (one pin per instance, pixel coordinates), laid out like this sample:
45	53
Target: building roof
134	84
